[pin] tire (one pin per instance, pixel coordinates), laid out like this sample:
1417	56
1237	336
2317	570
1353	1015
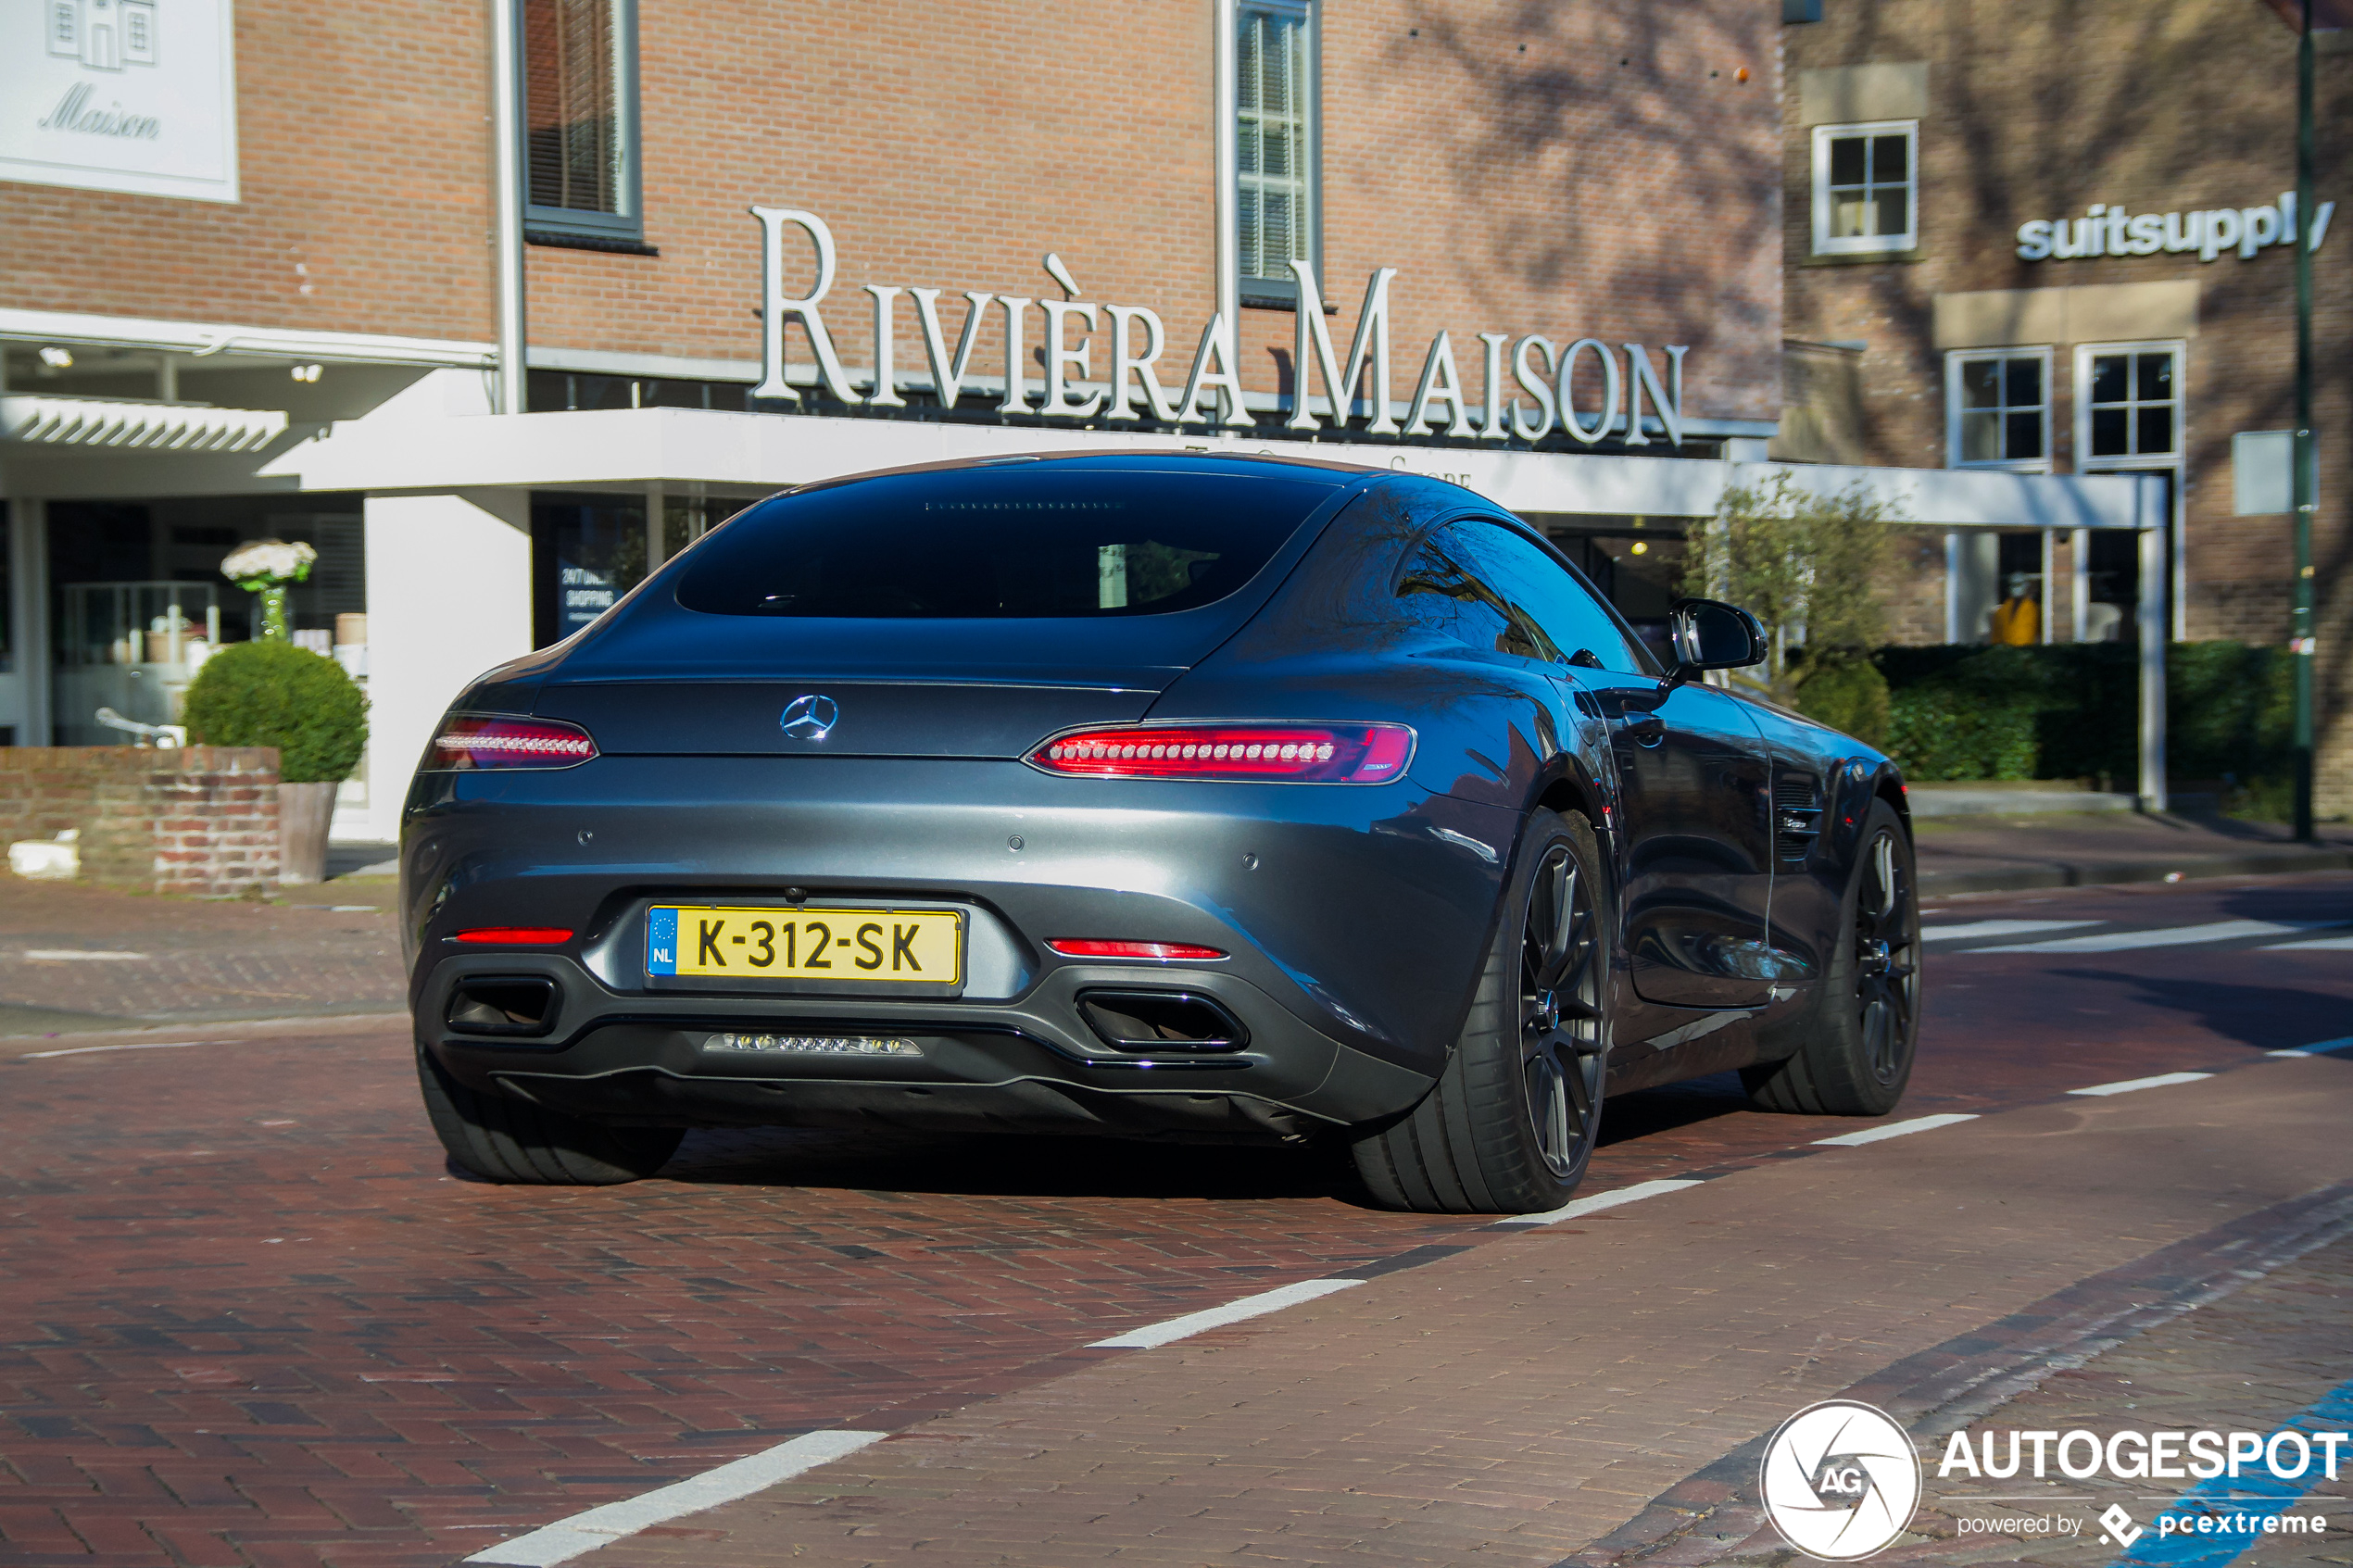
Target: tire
1509	1127
504	1139
1855	1043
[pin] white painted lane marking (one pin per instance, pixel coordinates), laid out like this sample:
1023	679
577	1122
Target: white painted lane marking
2318	1047
136	1046
2322	944
1999	928
1248	1306
568	1538
1896	1129
1594	1205
2129	1084
66	954
2166	936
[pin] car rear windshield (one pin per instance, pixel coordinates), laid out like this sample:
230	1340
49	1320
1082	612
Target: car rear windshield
1038	540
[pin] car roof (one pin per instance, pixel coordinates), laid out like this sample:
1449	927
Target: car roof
1167	460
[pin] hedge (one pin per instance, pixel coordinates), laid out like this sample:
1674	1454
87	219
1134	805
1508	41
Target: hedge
2071	710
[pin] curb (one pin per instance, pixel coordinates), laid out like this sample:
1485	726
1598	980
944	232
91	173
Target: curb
2099	873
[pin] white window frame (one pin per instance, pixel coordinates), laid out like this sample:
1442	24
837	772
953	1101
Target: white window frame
1282	291
2177	460
1954	361
1867	245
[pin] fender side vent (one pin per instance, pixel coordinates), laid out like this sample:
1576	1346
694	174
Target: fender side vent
1797	815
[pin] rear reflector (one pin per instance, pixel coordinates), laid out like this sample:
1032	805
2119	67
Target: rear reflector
517	935
1244	753
476	740
1076	947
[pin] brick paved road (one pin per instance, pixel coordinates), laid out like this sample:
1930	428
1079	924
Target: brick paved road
251	1317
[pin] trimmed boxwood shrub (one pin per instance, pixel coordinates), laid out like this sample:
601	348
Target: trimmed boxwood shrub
271	693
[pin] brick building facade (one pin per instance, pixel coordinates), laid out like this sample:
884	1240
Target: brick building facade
2004	330
290	323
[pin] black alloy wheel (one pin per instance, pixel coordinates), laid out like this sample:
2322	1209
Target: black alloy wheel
1887	971
1560	1031
1848	1049
1510	1123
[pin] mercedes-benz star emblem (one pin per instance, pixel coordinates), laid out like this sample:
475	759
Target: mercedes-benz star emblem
810	717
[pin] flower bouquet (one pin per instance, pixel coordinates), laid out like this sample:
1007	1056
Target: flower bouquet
265	567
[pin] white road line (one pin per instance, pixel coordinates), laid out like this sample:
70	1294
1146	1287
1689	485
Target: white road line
2129	1084
2318	1047
1218	1317
2168	936
2321	943
1896	1129
62	955
1594	1205
136	1046
568	1538
1999	928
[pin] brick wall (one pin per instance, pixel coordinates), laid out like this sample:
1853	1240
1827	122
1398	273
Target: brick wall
199	820
1560	169
2037	110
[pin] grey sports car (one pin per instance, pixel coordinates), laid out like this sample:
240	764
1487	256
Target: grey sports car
1164	795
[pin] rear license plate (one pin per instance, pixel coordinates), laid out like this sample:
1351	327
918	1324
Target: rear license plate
902	946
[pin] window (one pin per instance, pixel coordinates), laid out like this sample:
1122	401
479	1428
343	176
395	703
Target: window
2128	419
1488	587
1046	541
2133	400
1867	188
1998	409
1278	158
579	117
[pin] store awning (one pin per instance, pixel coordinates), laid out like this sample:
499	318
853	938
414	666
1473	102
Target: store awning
128	423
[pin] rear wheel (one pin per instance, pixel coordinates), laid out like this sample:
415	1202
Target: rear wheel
1856	1041
1510	1125
511	1140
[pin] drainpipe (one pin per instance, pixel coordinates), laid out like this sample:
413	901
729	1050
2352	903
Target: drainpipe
1225	91
506	137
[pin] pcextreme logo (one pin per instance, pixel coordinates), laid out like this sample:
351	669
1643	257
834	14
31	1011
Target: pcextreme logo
1840	1480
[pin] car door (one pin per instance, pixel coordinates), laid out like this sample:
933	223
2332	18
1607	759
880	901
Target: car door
1693	781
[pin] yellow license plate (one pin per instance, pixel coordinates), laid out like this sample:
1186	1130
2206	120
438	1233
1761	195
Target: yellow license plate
892	947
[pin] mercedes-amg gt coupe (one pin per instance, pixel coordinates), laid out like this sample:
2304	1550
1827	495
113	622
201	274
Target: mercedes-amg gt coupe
1164	795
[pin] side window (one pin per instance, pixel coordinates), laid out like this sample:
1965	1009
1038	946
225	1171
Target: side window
1443	589
1562	615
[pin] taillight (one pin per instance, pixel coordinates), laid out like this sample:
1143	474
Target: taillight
1092	948
1247	753
474	740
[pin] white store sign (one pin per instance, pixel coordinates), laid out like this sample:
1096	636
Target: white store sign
137	95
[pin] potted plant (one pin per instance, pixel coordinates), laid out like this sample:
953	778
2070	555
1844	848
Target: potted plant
271	693
265	567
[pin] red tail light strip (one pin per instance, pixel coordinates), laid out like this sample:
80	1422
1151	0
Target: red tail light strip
1240	753
1090	947
517	935
473	740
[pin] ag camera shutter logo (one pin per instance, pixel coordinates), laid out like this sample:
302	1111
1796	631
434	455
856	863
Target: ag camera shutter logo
1840	1480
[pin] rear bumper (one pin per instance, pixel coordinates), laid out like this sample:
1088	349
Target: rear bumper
1355	918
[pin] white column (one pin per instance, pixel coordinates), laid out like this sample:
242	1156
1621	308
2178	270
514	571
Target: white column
506	162
1952	585
2079	556
2153	630
448	596
2050	589
1225	88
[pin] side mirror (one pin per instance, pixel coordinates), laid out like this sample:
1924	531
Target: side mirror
1710	634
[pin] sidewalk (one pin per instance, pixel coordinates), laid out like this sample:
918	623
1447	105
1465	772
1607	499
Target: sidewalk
2081	849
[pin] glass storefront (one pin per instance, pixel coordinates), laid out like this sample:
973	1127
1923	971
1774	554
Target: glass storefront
587	550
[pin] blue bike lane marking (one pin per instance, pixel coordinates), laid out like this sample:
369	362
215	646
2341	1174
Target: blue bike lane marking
2240	1507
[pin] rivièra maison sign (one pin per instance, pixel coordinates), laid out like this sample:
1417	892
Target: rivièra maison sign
1138	385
